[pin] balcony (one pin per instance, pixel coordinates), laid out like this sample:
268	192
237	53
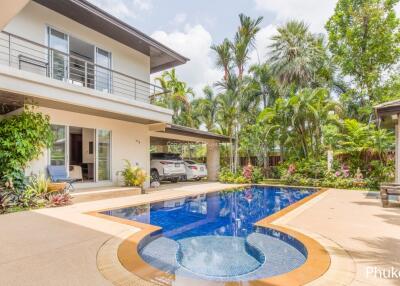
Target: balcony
27	55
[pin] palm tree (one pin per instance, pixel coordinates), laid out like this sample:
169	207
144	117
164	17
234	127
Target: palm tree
244	41
224	56
296	54
226	115
175	97
230	55
206	108
263	83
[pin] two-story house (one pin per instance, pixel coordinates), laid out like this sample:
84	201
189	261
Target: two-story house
90	72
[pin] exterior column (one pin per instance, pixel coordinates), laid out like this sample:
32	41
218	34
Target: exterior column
397	158
213	160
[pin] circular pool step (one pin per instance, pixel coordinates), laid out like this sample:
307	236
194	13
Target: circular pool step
218	256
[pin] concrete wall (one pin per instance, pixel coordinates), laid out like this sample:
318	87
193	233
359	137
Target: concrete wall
87	137
31	23
9	9
130	141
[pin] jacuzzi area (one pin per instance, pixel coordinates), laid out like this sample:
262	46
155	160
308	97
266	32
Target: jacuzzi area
216	236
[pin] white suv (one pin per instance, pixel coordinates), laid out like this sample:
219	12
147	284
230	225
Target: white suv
166	167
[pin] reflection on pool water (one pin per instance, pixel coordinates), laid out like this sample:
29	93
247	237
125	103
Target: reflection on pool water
212	236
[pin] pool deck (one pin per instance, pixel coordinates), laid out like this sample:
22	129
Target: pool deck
60	246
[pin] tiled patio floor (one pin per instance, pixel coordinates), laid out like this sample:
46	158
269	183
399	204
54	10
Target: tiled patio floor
59	246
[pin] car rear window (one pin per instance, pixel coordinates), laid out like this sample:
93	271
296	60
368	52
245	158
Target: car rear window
191	162
165	156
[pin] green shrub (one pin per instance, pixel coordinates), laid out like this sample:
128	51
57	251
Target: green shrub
35	192
133	176
23	137
257	175
228	177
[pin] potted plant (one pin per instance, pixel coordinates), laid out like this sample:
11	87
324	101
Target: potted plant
133	176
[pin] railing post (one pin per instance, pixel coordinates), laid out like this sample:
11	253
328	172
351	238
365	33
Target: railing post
85	73
9	50
135	91
51	71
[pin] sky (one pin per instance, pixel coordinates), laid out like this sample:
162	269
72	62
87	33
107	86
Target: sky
190	27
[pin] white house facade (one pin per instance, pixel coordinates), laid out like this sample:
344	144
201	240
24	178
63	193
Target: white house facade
90	73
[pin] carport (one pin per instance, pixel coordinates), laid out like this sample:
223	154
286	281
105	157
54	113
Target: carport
163	134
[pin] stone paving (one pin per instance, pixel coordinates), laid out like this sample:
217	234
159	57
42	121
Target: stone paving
59	246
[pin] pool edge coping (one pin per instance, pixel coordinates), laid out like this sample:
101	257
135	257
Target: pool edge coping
317	263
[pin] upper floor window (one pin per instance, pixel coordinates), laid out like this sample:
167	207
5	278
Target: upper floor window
79	62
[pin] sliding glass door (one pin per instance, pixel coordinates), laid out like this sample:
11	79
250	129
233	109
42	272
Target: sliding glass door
103	74
58	152
59	43
94	158
103	155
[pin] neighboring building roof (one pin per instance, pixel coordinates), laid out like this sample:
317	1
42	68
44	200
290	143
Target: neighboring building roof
89	15
389	107
387	113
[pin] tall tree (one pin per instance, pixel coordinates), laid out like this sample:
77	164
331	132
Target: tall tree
296	54
224	56
364	38
176	97
206	108
236	56
263	83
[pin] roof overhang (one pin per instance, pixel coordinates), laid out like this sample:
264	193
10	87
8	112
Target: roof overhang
388	113
178	133
89	15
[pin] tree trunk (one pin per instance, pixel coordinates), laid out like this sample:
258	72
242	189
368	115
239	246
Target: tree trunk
236	149
230	153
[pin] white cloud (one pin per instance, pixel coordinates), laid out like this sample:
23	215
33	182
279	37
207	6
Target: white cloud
314	12
143	5
193	42
263	40
179	18
124	8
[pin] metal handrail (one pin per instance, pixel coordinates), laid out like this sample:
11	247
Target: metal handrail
76	69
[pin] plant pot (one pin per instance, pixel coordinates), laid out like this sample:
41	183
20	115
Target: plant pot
56	187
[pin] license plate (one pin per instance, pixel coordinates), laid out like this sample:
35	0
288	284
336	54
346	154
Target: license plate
177	165
201	168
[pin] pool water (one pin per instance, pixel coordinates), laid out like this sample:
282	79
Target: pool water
212	236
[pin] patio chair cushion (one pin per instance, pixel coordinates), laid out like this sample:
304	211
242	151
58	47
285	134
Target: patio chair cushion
58	173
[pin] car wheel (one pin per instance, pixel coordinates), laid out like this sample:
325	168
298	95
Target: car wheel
155	177
174	180
184	178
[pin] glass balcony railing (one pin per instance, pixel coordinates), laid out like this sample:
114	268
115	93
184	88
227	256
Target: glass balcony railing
27	55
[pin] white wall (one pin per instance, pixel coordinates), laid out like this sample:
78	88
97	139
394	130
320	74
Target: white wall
87	136
130	141
31	23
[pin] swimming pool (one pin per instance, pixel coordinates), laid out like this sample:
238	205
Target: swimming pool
213	236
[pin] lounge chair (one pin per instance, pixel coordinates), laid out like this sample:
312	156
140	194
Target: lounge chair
391	189
59	174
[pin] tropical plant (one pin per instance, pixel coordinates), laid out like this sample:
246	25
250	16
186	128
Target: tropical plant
224	56
263	84
176	96
206	109
23	137
364	38
229	177
133	175
296	54
236	56
59	199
